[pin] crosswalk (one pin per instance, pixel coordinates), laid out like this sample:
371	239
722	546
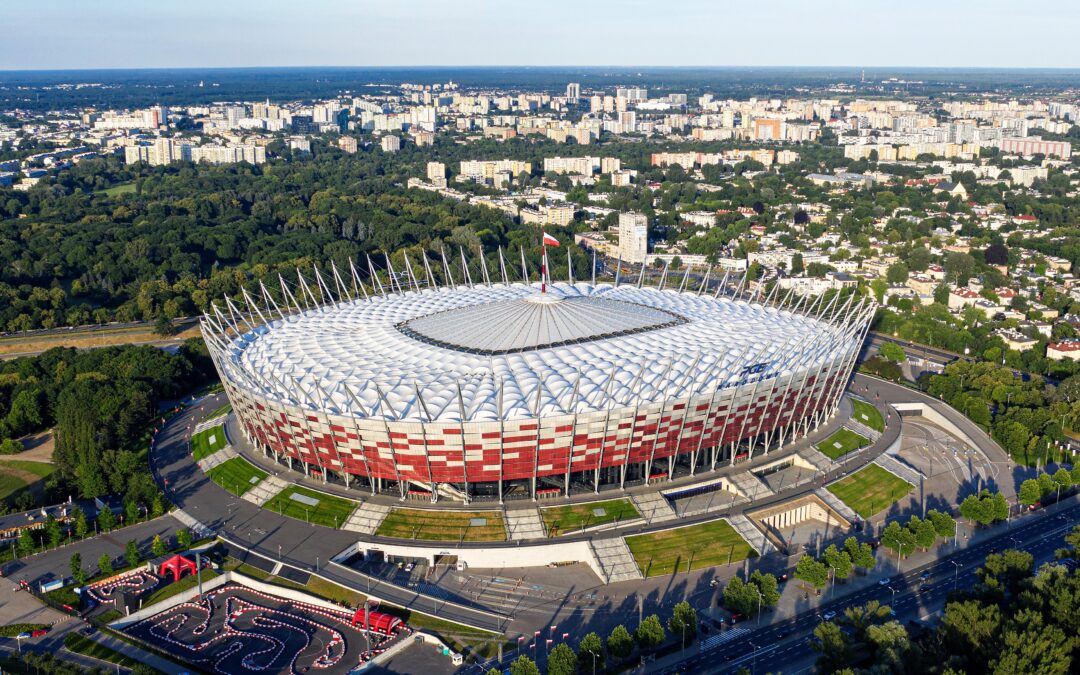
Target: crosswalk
722	638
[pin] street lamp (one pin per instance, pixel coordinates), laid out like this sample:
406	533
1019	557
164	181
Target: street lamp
753	663
593	660
956	572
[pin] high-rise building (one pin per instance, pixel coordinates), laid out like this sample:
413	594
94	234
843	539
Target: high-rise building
628	121
347	144
436	173
633	237
573	91
390	143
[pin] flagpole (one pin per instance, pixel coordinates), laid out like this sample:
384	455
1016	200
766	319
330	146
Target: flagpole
543	261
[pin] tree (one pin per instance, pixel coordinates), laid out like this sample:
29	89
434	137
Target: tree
740	596
899	539
163	326
562	661
53	534
106	519
131	553
959	267
862	555
944	524
10	446
832	644
897	273
183	539
839	562
890	351
26	542
797	264
619	643
768	586
591	653
925	534
1030	492
650	632
996	254
812	571
1063	478
77	571
157	547
104	564
524	666
82	527
683	621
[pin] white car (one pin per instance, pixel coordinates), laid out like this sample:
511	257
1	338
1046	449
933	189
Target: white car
829	615
885	581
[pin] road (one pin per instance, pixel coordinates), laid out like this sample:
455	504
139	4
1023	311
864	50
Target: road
783	644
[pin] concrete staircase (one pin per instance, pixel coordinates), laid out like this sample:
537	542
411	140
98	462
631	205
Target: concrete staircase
524	524
213	459
614	560
895	466
837	505
863	430
198	530
265	491
750	486
653	507
366	518
751	534
817	459
714	502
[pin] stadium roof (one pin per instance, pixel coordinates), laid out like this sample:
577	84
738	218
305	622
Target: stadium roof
486	352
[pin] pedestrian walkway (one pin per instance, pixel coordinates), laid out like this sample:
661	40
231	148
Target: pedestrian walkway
265	490
653	507
366	518
895	466
863	430
750	486
834	502
197	528
524	524
614	559
722	638
140	655
751	534
216	458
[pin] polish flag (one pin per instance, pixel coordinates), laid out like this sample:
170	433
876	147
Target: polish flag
550	240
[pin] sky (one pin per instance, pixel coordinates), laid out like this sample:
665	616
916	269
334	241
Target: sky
63	34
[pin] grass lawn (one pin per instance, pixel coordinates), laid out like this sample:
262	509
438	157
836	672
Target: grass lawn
236	475
84	645
863	412
17	474
870	490
442	525
572	517
329	511
841	443
207	442
172	588
121	189
220	412
704	545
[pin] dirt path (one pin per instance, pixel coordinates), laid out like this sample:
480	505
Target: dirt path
39	448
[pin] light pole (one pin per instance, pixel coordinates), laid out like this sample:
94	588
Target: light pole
593	661
759	598
753	663
956	572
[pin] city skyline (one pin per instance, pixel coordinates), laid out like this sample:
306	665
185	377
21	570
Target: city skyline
776	33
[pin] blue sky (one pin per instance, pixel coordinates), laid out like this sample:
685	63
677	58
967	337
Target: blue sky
47	34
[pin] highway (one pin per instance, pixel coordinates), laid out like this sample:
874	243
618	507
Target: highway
781	644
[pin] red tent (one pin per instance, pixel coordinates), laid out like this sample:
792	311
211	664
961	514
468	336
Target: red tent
176	564
377	621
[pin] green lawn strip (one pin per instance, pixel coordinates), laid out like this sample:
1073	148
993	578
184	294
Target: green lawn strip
220	412
83	645
848	441
442	525
172	588
331	511
13	629
121	189
11	483
236	474
572	517
201	444
864	413
705	545
870	490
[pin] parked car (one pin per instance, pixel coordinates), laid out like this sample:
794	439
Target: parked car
38	632
736	617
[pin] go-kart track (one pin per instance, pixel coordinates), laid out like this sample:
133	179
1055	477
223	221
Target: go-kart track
136	583
234	629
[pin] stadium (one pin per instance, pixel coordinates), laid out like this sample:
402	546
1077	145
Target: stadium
499	389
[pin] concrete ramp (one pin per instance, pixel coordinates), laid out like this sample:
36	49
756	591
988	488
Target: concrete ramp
817	459
199	530
836	505
216	458
901	469
750	486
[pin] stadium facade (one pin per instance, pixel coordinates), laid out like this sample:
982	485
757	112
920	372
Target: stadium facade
493	389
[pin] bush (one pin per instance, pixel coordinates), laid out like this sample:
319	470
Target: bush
886	370
13	629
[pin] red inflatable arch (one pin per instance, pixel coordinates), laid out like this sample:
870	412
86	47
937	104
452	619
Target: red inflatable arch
176	564
377	621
